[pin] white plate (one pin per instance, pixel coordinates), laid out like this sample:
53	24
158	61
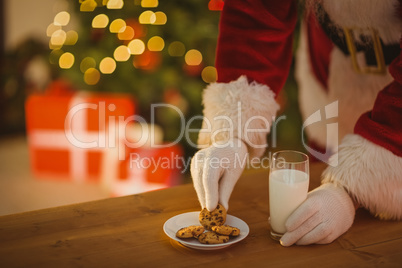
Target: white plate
177	222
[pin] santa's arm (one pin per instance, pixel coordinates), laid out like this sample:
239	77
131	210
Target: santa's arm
370	161
255	40
254	54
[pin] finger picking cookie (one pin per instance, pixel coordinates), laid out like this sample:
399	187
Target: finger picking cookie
212	238
190	231
216	217
226	230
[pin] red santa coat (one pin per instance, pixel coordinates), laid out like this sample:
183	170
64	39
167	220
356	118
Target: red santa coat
254	55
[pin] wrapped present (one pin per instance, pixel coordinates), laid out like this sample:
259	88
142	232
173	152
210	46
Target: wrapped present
149	168
76	136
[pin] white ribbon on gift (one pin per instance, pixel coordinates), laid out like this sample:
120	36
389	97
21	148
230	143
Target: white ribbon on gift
136	183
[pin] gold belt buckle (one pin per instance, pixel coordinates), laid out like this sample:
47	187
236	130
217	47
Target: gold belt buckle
350	41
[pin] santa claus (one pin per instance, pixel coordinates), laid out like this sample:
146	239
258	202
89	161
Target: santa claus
349	53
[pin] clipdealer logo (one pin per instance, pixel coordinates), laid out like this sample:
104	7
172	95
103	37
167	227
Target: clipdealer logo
112	133
330	111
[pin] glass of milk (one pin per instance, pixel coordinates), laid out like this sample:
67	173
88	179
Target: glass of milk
288	187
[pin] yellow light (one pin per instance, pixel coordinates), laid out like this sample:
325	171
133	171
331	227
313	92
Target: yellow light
149	3
117	26
62	18
121	53
209	74
128	34
115	4
88	5
71	38
58	38
91	76
51	29
100	21
66	60
87	63
176	49
107	65
193	57
136	47
160	18
147	17
156	43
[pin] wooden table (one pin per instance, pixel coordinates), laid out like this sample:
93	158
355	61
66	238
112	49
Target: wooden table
127	232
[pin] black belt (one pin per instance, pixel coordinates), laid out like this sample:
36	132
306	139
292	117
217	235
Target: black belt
389	52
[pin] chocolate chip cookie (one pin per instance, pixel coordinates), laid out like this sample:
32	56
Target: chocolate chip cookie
217	217
212	238
226	230
190	231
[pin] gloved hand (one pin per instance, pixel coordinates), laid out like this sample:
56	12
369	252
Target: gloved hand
327	213
215	171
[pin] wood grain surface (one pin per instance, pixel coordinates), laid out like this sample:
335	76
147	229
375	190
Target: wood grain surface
127	232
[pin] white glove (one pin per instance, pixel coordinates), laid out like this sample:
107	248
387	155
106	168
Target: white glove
215	171
327	213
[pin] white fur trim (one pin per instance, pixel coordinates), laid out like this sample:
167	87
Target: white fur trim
371	174
365	14
230	109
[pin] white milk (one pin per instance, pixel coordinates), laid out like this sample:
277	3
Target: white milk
287	190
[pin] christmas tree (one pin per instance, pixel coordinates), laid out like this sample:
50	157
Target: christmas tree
160	52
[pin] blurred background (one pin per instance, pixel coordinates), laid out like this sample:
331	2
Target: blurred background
132	54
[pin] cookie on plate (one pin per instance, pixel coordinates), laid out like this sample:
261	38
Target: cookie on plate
226	230
190	231
216	217
212	238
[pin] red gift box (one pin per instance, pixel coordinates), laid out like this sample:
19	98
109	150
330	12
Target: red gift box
149	168
70	136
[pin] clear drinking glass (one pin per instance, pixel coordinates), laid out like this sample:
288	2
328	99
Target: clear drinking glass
288	186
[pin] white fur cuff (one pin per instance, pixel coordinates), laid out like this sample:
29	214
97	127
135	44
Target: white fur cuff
371	174
238	109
